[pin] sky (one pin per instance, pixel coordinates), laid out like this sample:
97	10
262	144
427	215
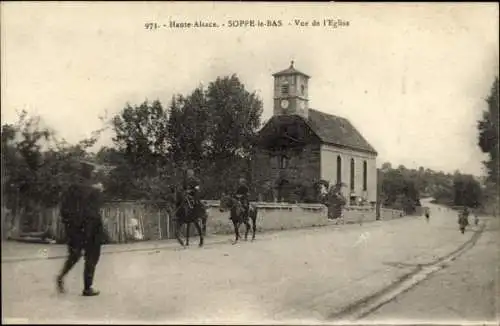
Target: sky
412	78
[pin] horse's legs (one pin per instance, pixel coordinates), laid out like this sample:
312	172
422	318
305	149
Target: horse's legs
200	232
247	225
188	227
254	224
204	227
178	225
236	231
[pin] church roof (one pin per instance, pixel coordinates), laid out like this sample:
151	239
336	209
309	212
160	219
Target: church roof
330	129
290	71
336	130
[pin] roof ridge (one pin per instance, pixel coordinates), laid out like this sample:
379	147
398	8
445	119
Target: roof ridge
328	114
357	139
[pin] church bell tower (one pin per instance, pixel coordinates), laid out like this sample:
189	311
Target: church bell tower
291	92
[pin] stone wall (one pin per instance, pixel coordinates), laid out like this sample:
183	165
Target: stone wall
281	216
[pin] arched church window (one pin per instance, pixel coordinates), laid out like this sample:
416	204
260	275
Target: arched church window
339	169
352	173
302	89
365	176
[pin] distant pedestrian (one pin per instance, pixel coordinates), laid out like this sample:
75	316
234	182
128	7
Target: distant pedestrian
476	218
80	212
463	219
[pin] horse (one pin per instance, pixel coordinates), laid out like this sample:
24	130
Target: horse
189	212
237	215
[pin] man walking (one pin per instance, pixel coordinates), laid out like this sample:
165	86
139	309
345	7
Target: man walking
80	212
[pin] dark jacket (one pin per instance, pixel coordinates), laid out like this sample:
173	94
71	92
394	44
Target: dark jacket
243	190
81	205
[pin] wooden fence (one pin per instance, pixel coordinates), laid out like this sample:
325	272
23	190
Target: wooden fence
124	221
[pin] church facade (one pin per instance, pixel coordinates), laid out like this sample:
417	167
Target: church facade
300	146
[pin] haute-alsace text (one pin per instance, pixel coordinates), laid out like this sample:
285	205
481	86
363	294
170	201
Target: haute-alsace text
198	23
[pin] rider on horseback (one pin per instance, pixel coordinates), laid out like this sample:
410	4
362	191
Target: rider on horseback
191	186
242	195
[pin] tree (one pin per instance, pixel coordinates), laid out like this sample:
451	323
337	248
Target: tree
212	131
488	142
488	133
36	166
188	127
467	191
386	167
398	189
141	134
141	152
22	158
235	117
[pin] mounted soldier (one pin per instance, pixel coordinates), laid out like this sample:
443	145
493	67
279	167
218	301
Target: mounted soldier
240	209
242	194
191	187
189	208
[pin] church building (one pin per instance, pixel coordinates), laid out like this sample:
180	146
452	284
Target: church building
300	146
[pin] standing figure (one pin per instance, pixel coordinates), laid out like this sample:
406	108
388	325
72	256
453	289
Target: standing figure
336	201
463	219
242	193
80	212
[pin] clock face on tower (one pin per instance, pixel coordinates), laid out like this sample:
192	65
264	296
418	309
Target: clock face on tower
284	104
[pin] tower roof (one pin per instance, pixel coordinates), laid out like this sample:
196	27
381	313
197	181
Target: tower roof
290	71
